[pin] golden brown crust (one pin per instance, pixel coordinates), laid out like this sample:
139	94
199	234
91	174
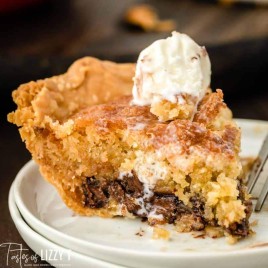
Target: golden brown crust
87	82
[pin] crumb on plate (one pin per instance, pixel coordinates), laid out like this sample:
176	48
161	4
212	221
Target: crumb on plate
160	233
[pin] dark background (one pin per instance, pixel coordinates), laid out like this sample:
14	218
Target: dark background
44	39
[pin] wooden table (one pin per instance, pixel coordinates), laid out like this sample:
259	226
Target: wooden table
46	39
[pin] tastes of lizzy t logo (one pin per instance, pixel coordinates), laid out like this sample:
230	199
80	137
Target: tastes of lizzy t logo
16	254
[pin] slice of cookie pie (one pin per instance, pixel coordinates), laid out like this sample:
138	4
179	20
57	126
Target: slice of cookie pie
168	153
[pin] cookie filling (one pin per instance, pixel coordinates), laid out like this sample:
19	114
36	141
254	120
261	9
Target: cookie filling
156	207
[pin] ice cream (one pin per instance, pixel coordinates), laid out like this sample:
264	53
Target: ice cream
169	68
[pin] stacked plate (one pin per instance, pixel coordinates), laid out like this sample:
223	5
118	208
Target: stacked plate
47	225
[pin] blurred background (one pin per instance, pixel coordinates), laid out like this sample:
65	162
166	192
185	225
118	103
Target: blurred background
41	38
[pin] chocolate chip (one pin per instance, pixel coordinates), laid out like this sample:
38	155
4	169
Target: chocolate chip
97	190
116	192
239	229
168	205
132	185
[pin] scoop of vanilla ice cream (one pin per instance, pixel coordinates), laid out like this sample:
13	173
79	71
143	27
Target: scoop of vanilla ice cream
170	67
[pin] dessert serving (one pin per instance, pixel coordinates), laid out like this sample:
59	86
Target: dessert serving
154	143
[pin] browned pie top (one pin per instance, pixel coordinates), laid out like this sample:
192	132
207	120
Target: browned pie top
137	120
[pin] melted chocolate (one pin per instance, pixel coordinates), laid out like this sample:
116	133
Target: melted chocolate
129	191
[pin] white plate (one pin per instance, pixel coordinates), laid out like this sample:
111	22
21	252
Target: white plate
115	240
62	257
